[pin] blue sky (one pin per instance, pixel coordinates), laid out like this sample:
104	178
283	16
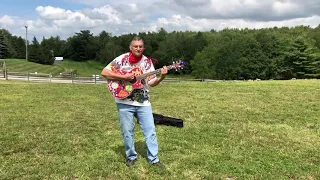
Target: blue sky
27	7
64	18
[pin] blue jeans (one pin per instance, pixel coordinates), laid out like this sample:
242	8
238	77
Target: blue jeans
144	116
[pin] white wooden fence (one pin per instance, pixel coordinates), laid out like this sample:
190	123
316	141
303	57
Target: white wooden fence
71	78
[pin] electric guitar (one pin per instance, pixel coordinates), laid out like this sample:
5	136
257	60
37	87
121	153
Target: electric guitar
122	89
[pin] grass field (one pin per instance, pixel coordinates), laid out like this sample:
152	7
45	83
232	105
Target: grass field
232	130
83	68
21	65
87	68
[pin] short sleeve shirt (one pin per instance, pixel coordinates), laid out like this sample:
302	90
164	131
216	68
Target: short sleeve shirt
121	63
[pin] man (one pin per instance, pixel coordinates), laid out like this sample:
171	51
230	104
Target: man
137	104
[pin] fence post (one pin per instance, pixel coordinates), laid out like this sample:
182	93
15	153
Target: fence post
28	75
72	77
4	69
95	79
5	73
50	76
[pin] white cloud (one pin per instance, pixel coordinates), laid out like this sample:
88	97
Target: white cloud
282	8
99	3
52	13
180	23
7	20
108	13
262	10
119	17
77	20
192	3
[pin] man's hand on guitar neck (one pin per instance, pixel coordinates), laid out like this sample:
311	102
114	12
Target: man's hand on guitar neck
164	72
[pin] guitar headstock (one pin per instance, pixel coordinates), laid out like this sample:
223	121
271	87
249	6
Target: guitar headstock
177	65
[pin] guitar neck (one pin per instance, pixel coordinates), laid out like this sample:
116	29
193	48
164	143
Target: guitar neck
157	71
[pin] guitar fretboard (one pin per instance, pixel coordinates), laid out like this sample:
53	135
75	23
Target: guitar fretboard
143	76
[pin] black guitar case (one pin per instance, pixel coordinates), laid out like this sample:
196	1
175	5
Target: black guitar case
165	120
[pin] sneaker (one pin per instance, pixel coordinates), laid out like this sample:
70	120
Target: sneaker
159	164
130	162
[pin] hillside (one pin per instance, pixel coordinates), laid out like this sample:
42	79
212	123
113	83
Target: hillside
82	68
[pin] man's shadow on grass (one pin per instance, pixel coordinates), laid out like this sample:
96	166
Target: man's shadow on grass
140	147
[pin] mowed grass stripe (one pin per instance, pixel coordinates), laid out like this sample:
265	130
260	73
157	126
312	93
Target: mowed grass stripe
83	68
57	71
48	69
23	66
33	68
16	64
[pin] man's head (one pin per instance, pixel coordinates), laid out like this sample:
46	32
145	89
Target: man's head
137	46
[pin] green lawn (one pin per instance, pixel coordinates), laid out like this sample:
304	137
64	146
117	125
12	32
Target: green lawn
21	65
83	68
232	130
87	68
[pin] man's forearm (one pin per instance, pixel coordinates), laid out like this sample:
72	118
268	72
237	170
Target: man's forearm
111	75
157	81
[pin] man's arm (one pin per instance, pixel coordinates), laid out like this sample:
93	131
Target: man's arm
155	82
109	74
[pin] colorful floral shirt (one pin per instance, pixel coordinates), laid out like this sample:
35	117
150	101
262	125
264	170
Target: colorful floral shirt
138	97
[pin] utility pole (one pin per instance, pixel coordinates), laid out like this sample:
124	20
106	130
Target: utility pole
26	42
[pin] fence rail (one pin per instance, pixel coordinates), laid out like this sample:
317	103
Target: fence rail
72	78
94	79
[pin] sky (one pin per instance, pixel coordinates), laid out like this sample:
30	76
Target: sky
64	18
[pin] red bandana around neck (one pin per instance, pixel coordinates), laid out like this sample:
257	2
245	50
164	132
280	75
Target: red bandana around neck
133	59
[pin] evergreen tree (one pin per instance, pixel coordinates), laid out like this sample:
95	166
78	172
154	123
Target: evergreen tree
34	51
3	46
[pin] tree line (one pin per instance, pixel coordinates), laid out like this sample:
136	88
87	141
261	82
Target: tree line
269	53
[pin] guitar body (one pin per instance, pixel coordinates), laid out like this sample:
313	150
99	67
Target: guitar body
122	89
